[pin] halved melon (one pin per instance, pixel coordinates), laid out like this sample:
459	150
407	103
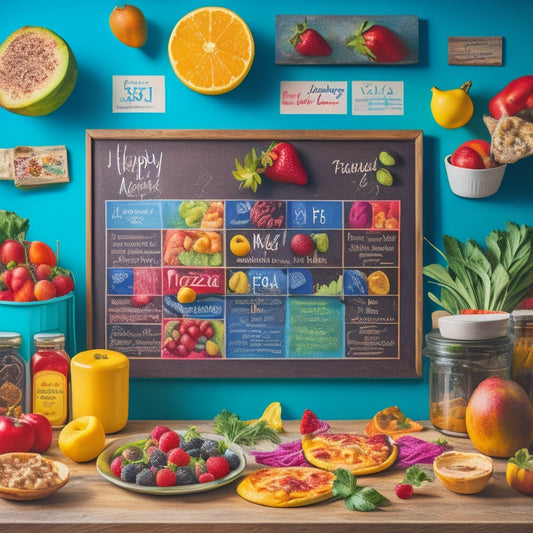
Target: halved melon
38	71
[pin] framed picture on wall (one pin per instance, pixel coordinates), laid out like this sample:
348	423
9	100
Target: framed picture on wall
233	253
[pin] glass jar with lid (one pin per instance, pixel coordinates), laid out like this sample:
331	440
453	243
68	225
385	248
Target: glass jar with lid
522	367
50	367
456	368
14	394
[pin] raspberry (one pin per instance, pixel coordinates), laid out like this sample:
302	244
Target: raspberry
169	440
218	466
309	422
116	465
158	431
404	491
179	457
206	477
165	478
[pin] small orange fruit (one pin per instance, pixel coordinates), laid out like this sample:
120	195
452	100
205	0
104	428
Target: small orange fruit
129	25
39	253
378	283
211	50
44	289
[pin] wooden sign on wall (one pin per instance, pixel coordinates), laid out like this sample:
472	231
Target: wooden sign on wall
482	51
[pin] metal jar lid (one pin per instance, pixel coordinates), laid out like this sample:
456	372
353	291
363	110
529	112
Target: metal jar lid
10	339
49	340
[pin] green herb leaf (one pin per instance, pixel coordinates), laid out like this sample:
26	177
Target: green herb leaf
344	484
415	476
366	499
356	498
13	226
238	431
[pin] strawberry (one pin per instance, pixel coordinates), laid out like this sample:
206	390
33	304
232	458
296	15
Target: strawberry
218	466
179	457
165	478
309	423
206	477
303	244
168	441
378	43
309	42
158	431
279	163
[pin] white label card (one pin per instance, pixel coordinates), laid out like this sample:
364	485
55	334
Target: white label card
313	97
377	98
138	94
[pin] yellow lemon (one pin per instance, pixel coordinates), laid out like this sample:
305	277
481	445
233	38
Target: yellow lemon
83	439
186	295
454	108
239	245
211	50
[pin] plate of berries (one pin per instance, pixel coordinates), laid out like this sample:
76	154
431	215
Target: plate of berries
167	462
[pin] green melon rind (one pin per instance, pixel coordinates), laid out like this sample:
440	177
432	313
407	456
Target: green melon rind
59	86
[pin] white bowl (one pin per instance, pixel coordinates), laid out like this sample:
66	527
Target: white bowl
474	182
474	327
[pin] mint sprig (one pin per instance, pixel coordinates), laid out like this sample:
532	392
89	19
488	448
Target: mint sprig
356	498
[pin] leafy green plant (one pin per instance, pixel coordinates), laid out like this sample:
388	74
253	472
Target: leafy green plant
496	278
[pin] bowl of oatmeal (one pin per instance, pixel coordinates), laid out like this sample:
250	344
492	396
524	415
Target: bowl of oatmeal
30	476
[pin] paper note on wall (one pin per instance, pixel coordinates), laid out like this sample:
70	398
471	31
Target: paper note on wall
377	98
313	97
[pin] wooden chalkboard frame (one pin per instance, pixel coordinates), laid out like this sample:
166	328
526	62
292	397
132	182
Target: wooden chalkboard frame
409	361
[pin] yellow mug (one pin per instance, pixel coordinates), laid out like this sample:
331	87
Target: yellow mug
100	387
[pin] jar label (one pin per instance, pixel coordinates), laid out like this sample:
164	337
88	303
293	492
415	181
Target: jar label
50	396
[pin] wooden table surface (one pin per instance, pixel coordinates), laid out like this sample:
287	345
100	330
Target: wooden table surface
91	503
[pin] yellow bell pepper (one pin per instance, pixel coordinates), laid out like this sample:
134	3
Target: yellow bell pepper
272	415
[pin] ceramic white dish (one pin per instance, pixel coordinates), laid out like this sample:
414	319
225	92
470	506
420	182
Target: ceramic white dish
473	182
474	327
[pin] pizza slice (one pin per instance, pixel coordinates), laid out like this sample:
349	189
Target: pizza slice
360	454
291	486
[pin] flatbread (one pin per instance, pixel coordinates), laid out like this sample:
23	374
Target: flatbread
292	486
512	139
360	454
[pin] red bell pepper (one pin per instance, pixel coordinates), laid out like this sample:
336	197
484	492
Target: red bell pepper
515	97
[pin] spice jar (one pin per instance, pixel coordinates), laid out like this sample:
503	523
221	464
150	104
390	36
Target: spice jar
456	368
100	387
50	375
522	367
14	393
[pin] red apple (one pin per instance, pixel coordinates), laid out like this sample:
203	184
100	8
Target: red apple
43	431
473	154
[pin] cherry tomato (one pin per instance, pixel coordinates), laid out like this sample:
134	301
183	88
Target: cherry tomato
404	491
12	250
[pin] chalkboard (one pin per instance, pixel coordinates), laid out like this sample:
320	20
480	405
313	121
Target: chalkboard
191	275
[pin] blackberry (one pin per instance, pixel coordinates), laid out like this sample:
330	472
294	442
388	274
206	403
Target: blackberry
233	459
130	471
185	476
194	452
158	458
195	442
208	449
145	477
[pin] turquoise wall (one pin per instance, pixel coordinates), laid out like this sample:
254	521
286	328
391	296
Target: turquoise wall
59	213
